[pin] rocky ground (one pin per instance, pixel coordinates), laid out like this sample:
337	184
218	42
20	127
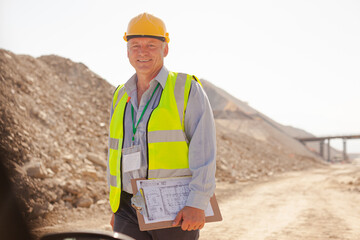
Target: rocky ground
317	203
54	116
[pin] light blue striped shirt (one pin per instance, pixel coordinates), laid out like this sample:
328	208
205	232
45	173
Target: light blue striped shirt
199	130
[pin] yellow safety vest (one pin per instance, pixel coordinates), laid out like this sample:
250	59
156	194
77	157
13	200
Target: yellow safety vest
167	144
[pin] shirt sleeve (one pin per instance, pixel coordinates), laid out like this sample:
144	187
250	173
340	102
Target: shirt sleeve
200	130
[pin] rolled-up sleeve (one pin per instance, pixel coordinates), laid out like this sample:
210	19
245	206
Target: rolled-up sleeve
200	130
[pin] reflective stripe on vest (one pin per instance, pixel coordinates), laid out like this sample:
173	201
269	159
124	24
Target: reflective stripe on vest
165	173
115	146
167	143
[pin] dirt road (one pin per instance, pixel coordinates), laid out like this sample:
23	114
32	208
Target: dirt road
316	204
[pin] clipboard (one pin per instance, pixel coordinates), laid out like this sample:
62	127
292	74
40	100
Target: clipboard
141	208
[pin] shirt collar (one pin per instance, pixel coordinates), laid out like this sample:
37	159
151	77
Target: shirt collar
162	76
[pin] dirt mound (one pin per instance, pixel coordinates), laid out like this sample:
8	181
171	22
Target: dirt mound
54	120
227	107
252	145
242	157
54	116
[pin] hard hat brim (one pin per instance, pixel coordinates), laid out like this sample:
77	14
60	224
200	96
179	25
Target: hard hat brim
163	39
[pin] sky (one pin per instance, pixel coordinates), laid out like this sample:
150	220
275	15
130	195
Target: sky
298	62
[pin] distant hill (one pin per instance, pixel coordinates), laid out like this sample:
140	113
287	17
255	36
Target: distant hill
54	120
237	115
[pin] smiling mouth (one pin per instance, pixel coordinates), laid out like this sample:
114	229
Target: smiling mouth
143	61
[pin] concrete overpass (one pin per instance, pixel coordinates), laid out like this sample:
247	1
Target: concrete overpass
322	140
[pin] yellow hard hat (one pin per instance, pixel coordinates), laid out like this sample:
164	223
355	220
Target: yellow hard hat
146	25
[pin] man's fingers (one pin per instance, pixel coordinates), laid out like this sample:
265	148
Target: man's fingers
177	219
192	218
189	225
201	226
195	226
185	226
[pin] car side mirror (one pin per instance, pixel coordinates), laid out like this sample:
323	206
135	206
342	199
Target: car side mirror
85	236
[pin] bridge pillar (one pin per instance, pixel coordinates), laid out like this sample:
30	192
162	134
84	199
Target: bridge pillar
344	149
328	150
322	149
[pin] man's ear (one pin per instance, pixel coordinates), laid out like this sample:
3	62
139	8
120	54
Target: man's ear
166	50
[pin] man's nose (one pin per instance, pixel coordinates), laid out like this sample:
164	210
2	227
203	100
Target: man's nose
143	50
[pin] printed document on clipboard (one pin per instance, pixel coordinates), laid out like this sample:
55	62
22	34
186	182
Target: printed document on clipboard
159	200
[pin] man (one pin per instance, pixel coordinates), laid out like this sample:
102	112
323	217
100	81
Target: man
161	126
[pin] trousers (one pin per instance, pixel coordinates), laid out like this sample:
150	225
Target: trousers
126	222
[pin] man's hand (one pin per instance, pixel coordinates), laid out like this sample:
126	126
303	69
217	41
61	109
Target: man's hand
192	218
112	221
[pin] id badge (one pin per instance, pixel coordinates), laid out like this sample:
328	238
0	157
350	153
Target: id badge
131	158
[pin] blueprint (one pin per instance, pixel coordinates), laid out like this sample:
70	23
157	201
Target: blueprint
164	198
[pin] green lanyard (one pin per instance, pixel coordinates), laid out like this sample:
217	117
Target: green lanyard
142	114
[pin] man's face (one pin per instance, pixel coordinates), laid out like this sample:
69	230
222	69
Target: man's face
146	55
